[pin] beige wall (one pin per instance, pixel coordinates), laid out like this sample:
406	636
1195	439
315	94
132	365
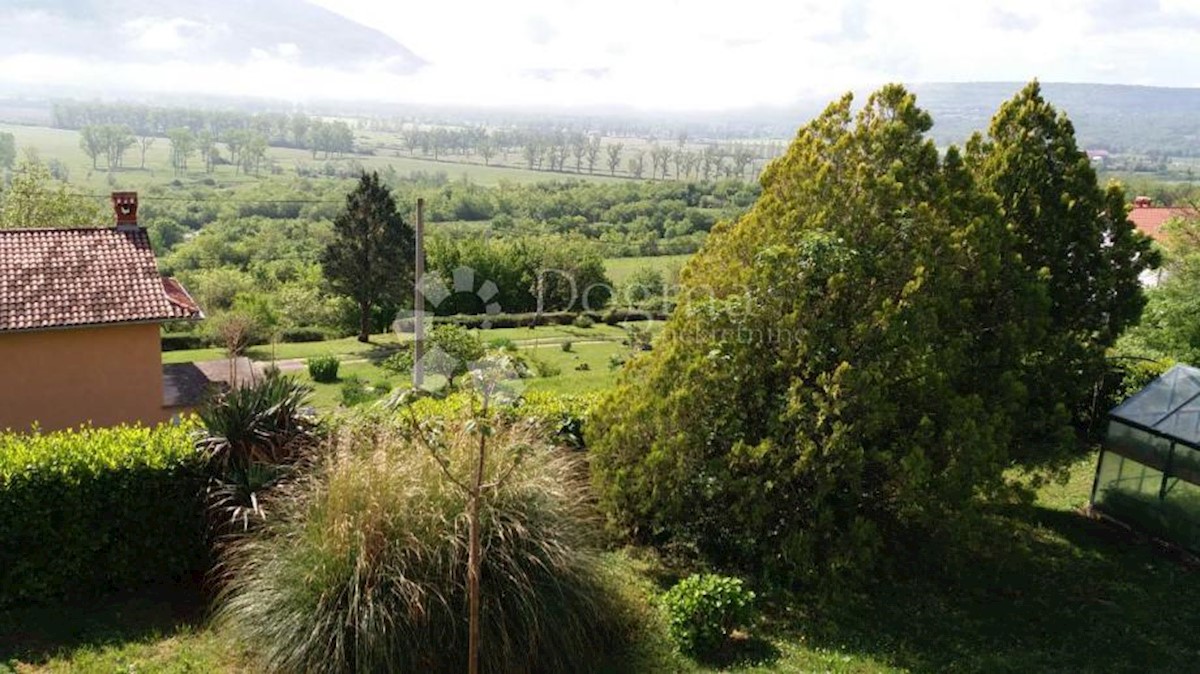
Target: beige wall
106	375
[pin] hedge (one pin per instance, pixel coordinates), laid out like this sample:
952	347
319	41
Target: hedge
183	341
610	316
564	415
297	335
92	510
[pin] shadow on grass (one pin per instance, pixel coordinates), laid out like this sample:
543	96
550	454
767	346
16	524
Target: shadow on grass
743	651
379	353
1057	593
35	634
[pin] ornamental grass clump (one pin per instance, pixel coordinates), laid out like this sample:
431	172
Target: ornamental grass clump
365	568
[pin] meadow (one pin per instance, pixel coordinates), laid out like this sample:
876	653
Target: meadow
619	269
63	145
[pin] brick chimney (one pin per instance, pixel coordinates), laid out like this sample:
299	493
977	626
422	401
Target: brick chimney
1143	202
125	206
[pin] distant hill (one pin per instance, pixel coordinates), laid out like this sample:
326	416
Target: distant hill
1119	118
200	31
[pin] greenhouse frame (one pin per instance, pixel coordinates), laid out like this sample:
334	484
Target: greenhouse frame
1148	474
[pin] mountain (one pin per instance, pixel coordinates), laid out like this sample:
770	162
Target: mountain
190	31
1114	117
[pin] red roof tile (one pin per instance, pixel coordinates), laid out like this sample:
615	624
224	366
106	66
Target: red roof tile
1149	220
53	278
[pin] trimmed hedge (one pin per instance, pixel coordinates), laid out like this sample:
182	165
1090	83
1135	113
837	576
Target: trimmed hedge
92	510
298	335
183	341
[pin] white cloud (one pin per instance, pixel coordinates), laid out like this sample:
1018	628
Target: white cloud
683	55
152	34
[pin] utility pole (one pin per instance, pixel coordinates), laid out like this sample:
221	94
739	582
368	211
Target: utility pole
419	299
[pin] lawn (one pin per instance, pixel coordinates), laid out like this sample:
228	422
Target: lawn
349	348
621	268
1056	592
587	367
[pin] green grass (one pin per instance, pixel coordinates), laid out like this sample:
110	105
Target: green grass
63	145
598	375
347	347
350	347
1053	592
621	268
157	630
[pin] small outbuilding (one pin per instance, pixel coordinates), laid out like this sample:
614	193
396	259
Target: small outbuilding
1148	475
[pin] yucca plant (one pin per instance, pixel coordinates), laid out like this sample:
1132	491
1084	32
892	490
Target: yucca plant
253	437
363	568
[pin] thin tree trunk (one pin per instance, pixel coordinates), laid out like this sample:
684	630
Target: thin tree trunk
364	322
475	558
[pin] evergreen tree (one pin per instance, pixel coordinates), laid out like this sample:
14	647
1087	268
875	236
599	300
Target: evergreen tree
1075	239
370	259
835	384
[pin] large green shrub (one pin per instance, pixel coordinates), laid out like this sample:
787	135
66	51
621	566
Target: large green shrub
703	611
839	383
365	571
90	510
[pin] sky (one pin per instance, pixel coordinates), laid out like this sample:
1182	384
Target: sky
651	54
704	54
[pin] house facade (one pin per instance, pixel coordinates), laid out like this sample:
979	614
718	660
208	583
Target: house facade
80	315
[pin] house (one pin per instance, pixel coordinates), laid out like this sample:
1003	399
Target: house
1149	219
80	315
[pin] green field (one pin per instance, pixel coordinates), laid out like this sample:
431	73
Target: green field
63	145
621	268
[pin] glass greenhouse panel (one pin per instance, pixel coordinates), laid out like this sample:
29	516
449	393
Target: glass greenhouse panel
1149	469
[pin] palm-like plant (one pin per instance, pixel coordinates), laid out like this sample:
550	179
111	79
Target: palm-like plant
254	437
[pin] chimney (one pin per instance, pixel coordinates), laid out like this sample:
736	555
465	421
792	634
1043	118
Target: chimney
1143	202
125	206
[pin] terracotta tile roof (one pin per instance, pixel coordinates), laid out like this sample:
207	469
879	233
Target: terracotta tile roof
1149	220
52	278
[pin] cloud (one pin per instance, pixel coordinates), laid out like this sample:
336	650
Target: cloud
1011	21
539	30
153	34
697	55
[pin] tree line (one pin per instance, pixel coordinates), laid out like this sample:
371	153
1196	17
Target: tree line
114	128
591	153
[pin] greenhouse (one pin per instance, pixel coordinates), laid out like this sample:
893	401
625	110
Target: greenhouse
1148	475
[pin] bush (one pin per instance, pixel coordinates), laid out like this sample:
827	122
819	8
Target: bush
461	344
502	344
567	346
92	510
323	369
253	436
400	362
355	391
703	610
583	321
183	341
299	335
366	570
